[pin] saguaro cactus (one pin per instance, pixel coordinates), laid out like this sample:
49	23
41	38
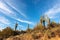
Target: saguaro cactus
28	27
44	23
16	26
42	20
49	21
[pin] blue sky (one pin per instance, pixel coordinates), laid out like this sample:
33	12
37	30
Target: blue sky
26	12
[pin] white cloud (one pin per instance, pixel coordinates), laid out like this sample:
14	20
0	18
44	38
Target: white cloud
24	21
21	26
4	20
52	13
21	13
2	26
3	7
5	10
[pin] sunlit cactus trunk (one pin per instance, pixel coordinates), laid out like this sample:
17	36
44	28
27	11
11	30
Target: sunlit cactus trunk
44	23
49	21
41	21
49	24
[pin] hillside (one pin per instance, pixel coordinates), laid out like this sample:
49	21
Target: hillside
39	32
49	34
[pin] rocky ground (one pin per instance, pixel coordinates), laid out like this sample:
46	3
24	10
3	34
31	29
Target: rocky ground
30	37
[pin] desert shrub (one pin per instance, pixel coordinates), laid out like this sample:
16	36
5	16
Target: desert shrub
49	37
37	34
16	38
23	32
39	27
53	34
16	33
58	32
7	32
53	24
29	30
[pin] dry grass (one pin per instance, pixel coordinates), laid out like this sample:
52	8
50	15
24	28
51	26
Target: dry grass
34	36
29	37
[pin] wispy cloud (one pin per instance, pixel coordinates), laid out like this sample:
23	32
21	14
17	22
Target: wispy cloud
52	13
24	21
2	26
4	20
5	10
19	11
21	26
3	7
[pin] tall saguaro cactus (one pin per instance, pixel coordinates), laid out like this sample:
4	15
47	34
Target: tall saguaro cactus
44	19
44	23
28	27
16	25
49	21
